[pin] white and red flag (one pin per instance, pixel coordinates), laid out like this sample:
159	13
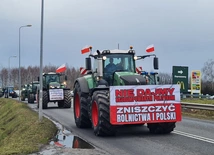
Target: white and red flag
86	49
139	70
150	48
83	71
62	68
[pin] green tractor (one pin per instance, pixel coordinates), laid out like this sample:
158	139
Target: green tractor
25	91
152	78
54	91
114	71
31	92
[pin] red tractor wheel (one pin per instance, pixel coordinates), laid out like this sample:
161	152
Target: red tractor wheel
95	114
77	106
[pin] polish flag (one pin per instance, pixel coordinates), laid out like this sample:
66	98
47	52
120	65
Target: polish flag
61	69
85	50
150	48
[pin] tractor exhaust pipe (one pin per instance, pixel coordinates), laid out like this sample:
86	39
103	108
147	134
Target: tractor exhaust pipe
99	67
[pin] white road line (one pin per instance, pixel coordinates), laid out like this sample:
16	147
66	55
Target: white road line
194	136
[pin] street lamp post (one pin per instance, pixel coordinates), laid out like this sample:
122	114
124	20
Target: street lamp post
20	56
41	63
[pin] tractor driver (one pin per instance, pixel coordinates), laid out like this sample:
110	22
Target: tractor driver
111	67
52	79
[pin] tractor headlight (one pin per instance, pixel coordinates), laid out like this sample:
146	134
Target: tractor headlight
104	57
99	78
135	57
51	86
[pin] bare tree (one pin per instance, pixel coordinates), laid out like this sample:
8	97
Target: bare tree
14	77
165	78
208	71
4	73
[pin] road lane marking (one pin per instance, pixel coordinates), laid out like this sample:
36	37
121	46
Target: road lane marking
194	136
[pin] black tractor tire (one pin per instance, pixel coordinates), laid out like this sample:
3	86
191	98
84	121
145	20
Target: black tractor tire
22	98
37	100
45	100
80	108
67	99
161	128
100	114
31	98
61	104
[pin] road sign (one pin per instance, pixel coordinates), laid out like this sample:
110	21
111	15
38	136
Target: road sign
196	82
180	76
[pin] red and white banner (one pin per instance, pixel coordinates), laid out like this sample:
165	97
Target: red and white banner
144	104
61	69
83	71
139	70
86	49
150	48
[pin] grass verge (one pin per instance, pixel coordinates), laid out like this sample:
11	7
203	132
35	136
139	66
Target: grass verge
196	113
20	129
201	114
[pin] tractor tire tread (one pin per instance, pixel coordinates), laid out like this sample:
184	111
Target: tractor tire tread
161	128
104	127
83	121
45	100
67	99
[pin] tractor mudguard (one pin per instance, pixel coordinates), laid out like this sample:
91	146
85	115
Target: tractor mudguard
83	84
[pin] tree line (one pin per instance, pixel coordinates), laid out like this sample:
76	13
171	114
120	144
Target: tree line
31	73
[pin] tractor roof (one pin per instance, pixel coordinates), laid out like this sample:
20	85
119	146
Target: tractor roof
115	51
35	82
50	73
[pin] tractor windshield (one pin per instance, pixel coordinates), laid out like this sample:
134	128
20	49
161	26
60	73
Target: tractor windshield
34	86
117	62
52	78
120	62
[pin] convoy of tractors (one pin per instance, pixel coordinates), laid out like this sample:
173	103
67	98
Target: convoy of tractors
111	94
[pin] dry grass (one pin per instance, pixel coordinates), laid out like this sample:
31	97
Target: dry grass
203	114
20	129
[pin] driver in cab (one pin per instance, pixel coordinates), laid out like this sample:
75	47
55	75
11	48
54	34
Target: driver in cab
111	67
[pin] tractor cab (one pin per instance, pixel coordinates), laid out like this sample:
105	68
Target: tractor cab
113	63
117	67
152	78
51	80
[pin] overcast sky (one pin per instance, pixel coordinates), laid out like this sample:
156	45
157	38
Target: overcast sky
181	30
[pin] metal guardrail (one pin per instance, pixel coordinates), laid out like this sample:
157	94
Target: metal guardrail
196	96
197	106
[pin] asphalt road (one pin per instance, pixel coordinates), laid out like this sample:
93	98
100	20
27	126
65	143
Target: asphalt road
191	136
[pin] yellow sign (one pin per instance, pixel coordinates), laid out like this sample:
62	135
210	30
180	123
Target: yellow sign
181	83
196	82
